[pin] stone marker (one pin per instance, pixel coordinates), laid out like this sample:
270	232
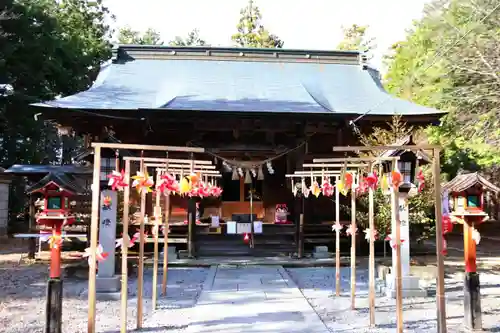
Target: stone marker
107	282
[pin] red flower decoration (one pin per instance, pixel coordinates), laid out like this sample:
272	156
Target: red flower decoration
117	180
168	184
327	188
372	180
420	180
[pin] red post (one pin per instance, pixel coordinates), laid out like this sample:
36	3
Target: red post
469	249
55	252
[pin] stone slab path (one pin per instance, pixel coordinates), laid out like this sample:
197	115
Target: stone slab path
253	299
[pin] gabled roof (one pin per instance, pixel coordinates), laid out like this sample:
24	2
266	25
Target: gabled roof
465	181
238	80
65	182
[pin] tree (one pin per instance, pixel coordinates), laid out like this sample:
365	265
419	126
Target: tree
355	39
421	206
450	60
251	32
128	36
193	39
47	48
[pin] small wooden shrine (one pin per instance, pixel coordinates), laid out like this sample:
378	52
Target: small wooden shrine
465	194
56	189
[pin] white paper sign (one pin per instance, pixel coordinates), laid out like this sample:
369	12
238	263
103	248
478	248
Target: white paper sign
244	228
257	227
231	227
215	221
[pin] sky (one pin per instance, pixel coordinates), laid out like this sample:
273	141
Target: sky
301	24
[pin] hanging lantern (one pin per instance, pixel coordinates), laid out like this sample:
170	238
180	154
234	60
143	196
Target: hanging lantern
248	178
235	175
260	174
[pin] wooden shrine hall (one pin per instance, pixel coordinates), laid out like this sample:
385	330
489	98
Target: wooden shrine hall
259	114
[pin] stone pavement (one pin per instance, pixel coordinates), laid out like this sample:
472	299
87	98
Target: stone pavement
253	299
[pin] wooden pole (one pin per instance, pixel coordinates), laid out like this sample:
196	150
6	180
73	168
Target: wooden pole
353	248
399	273
125	146
165	246
94	224
395	147
371	268
140	271
125	245
157	230
337	242
440	297
191	219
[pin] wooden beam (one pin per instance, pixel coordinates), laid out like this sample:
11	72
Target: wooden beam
165	160
355	159
333	165
381	148
162	166
125	244
211	173
147	147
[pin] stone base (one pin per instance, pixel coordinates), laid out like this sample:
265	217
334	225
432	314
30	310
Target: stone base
321	252
108	284
172	254
411	287
102	296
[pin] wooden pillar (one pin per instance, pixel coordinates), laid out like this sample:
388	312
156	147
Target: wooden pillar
398	274
353	249
94	224
337	240
191	226
242	189
371	268
126	239
300	237
440	298
165	245
31	228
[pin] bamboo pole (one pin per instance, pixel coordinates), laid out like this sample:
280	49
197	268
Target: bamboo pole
353	248
398	275
165	246
157	230
337	242
93	239
371	268
125	245
140	271
440	297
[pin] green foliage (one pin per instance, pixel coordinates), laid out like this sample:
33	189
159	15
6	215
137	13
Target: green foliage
450	60
193	39
128	36
48	48
355	39
251	32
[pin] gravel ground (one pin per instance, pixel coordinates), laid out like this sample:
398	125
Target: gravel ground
318	286
23	291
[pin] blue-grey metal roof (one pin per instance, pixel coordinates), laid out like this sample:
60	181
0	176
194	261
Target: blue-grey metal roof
26	169
140	79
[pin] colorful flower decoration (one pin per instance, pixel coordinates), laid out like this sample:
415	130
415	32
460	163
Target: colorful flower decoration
420	181
246	238
447	224
55	241
351	230
99	254
396	179
185	186
215	191
204	190
392	240
136	237
369	233
384	184
337	227
120	242
143	182
117	180
348	180
315	189
167	184
372	180
327	188
305	189
341	187
362	188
